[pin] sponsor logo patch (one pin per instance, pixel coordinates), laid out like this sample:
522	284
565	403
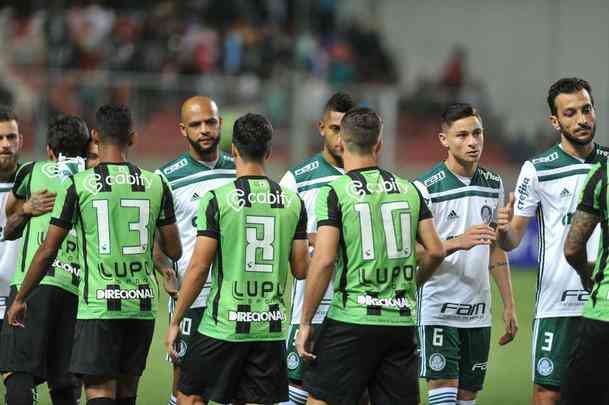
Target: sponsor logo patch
545	367
293	361
437	362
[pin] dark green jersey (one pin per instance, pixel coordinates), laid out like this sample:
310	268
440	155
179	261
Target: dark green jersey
255	222
594	200
115	210
52	176
377	215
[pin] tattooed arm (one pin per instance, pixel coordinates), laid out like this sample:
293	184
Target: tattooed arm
582	226
500	269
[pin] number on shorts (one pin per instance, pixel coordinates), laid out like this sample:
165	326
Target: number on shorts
438	337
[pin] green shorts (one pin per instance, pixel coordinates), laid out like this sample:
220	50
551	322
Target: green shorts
553	339
453	353
295	363
188	327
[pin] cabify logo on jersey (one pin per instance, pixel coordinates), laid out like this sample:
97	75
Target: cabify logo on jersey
95	181
237	199
356	189
64	167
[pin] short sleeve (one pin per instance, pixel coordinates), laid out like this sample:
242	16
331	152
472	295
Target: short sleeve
64	210
327	208
591	194
424	211
289	181
423	192
22	181
167	214
526	193
208	221
301	228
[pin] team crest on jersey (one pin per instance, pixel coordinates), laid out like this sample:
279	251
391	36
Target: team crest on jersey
437	362
545	367
293	361
486	213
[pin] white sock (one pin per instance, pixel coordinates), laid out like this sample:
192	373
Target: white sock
172	400
442	396
297	395
464	402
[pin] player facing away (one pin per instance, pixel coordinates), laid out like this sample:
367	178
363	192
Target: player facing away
203	167
254	232
584	379
306	179
454	306
368	224
115	209
548	187
41	352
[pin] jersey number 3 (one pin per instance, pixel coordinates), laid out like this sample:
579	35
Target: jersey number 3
140	226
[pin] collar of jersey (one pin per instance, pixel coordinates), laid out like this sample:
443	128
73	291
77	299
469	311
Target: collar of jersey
364	169
114	163
252	177
591	158
202	165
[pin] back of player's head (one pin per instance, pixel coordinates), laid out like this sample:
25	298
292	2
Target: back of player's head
360	130
7	114
114	124
252	134
340	102
457	111
68	135
567	85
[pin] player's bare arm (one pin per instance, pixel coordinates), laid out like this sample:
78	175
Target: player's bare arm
169	241
500	270
318	279
582	226
299	262
164	266
510	228
19	211
42	260
474	236
434	248
196	274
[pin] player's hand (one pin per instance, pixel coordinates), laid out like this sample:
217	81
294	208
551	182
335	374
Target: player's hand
477	235
16	313
170	339
511	326
303	342
170	282
40	202
505	215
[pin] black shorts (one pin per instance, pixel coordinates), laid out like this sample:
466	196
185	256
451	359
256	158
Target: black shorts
253	372
352	358
43	347
111	347
585	380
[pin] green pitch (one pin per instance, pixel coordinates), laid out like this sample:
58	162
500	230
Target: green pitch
508	378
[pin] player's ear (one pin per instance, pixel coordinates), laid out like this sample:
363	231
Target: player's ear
379	146
268	154
443	139
234	151
134	138
553	119
320	127
183	130
50	153
95	135
221	122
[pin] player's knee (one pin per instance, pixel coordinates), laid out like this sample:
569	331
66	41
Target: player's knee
546	393
19	389
442	383
467	395
126	387
67	395
190	399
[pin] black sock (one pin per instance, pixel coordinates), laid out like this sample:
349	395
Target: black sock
65	395
101	401
125	401
19	389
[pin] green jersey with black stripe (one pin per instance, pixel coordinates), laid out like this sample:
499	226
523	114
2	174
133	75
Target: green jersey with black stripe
377	215
548	187
52	176
115	209
255	222
594	200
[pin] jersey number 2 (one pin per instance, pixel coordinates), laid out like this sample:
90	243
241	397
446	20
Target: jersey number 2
140	226
397	240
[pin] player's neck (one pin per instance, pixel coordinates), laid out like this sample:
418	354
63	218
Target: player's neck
112	154
249	169
6	175
580	151
330	158
355	162
207	157
465	169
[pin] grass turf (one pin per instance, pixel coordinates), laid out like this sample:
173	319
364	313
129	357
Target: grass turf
508	379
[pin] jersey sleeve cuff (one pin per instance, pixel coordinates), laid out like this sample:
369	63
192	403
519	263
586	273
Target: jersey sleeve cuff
208	233
61	223
589	209
166	221
327	222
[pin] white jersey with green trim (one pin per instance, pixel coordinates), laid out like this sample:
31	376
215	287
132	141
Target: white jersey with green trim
548	187
307	179
459	292
189	180
9	249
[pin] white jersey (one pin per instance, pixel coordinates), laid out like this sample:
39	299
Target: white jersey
459	292
307	179
549	187
9	250
189	180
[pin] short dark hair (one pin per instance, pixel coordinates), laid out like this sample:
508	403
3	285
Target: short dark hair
457	111
567	85
340	102
7	114
252	134
68	135
114	124
360	129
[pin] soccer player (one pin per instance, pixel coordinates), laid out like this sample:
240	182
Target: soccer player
39	353
584	380
307	178
368	224
202	168
548	187
253	231
454	306
115	210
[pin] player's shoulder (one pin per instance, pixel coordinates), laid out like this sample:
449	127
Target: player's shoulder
225	161
551	158
488	178
312	169
177	168
601	154
437	179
